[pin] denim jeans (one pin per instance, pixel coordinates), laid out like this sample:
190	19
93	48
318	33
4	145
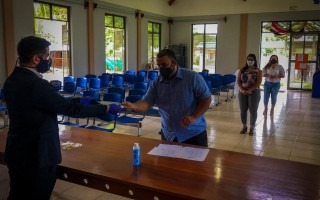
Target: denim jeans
250	102
271	89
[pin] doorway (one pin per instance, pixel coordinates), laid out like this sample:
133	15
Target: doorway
303	43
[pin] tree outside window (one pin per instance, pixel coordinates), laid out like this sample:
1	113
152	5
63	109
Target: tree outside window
154	41
114	43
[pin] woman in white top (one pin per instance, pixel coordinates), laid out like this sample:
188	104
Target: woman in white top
273	73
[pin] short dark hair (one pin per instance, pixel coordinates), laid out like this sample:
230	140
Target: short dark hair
167	52
30	46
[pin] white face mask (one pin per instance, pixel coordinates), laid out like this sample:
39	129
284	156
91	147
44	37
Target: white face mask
250	62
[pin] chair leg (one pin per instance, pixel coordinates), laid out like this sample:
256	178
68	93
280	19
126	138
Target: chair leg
139	129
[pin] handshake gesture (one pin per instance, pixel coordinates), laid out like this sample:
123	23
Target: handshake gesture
112	108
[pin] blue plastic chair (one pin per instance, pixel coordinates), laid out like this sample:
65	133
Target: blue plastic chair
117	81
141	86
132	119
153	75
118	90
68	89
108	121
81	84
56	84
68	79
142	73
93	94
131	72
94	84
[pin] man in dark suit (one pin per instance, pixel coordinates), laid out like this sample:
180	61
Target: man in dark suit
33	147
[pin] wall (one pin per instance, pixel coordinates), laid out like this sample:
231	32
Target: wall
2	53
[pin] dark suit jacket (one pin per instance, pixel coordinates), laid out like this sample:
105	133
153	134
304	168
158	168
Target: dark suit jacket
33	105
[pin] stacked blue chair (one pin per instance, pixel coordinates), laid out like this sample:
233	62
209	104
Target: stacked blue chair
153	75
232	81
142	73
118	90
81	85
68	89
117	81
132	119
130	80
108	121
141	86
130	72
56	84
68	79
228	82
104	83
94	84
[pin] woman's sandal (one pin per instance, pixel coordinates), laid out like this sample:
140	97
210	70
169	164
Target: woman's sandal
244	130
251	132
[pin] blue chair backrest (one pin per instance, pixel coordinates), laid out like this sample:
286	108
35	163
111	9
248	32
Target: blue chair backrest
94	83
92	93
131	79
141	85
134	98
104	81
117	81
131	72
56	84
89	76
216	82
204	74
114	97
68	79
142	73
69	87
81	82
215	75
153	75
118	90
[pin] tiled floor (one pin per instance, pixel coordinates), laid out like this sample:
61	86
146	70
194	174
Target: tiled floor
291	134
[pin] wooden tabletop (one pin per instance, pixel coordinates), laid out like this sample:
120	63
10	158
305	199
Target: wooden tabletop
104	162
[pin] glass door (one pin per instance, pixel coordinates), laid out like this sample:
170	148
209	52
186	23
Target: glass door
303	43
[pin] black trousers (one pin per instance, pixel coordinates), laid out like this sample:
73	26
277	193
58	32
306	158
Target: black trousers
200	139
34	183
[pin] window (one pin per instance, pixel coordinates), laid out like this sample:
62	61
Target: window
52	23
154	41
115	43
204	42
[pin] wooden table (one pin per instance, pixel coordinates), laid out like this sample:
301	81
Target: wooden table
104	162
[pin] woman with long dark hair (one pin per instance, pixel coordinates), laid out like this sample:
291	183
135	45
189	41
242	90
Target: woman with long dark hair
249	80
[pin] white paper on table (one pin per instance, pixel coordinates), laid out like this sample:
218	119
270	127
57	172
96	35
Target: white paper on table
177	151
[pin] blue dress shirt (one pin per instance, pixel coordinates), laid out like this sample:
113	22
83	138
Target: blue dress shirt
176	99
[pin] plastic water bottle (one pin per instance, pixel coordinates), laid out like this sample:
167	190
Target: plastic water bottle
136	154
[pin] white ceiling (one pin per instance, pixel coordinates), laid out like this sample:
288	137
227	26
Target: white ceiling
216	7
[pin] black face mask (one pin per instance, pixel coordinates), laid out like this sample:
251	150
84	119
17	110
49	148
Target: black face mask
166	72
273	61
43	66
